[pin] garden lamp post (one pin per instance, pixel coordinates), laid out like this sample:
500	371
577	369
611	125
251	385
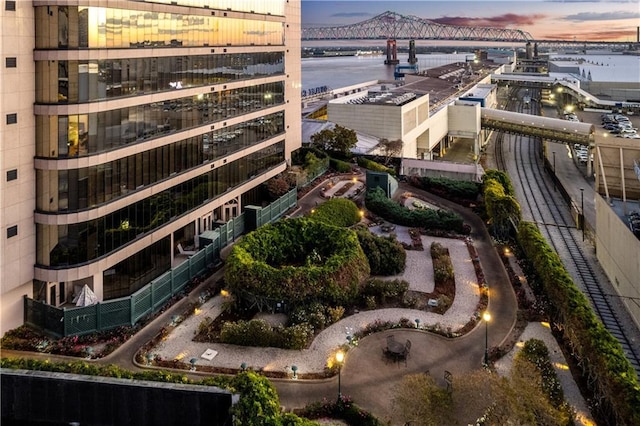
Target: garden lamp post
486	316
418	323
339	360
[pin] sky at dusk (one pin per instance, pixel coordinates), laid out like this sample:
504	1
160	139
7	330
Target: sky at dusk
606	20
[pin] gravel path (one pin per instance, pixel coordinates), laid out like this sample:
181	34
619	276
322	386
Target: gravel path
419	273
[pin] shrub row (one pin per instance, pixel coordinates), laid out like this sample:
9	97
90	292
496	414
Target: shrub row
442	266
536	353
339	165
596	350
448	188
257	332
379	204
501	205
374	166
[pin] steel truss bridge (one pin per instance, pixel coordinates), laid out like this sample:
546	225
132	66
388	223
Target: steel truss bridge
394	26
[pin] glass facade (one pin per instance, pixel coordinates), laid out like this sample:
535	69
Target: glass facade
271	7
91	80
76	244
136	271
86	134
98	28
89	187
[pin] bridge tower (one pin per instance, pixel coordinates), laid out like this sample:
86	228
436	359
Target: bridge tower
392	53
412	52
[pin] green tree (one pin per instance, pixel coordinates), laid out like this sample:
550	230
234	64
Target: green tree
390	148
259	404
422	402
340	140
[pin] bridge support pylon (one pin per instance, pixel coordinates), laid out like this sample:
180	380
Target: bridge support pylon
392	53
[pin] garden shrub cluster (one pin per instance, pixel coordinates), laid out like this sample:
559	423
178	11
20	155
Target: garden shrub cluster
297	260
374	166
337	212
257	332
316	315
596	350
386	255
377	291
448	188
537	354
344	409
377	202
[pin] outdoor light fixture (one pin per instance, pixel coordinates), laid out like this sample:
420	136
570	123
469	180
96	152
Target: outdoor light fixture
339	360
294	368
417	322
486	316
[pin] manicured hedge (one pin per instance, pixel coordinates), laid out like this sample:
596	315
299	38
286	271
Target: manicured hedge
450	188
297	260
258	332
339	165
378	203
597	351
373	166
337	212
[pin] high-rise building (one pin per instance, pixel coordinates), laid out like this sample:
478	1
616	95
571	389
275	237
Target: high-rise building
128	128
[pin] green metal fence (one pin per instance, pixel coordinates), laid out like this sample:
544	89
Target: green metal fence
149	299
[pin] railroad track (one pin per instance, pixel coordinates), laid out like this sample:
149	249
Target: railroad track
541	202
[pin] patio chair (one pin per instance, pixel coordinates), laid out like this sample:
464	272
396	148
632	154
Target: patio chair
407	348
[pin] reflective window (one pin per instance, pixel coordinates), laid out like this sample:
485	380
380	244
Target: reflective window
98	28
85	134
79	243
273	7
92	186
85	81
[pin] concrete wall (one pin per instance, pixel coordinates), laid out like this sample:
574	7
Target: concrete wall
618	251
17	149
381	121
60	398
464	119
613	159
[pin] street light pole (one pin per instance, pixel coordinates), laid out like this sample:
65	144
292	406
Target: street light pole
339	359
554	171
486	316
582	211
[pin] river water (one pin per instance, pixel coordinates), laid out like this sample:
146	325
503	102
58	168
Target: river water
342	71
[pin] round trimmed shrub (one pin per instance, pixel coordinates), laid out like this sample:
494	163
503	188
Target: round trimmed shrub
297	261
337	212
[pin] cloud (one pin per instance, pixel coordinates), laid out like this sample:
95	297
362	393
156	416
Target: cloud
501	21
604	16
350	15
593	36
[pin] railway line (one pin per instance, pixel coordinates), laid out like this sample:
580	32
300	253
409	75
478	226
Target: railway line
522	158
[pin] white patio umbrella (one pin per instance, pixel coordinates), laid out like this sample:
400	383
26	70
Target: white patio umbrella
86	297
